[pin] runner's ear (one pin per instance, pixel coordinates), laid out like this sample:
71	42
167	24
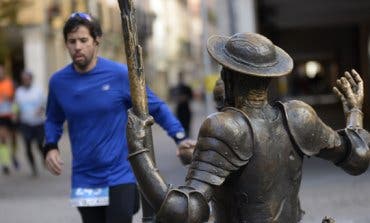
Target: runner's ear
97	40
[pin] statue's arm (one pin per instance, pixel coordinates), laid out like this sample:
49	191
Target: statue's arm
213	161
347	148
355	140
352	154
151	183
183	204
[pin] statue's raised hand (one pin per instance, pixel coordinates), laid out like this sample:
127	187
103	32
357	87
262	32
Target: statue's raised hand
350	90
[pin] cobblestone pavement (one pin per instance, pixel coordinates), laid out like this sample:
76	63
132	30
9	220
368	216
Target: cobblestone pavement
326	190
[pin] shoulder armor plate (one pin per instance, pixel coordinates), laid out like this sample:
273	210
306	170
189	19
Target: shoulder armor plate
224	144
231	128
307	130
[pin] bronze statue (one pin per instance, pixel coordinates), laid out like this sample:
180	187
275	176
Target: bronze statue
247	162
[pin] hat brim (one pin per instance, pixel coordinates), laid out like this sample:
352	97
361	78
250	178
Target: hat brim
283	65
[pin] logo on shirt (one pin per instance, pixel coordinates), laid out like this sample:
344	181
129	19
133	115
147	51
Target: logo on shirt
180	135
105	87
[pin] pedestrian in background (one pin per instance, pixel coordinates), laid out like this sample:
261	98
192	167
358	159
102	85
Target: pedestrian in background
92	94
183	95
6	122
30	101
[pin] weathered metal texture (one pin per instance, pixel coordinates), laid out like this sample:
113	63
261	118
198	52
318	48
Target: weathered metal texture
184	204
251	54
263	188
134	59
308	131
248	158
357	160
137	82
151	183
219	95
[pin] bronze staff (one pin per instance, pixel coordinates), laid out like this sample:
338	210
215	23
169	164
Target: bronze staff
137	81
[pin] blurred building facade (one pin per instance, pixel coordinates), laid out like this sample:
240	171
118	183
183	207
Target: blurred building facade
35	36
324	39
173	34
179	34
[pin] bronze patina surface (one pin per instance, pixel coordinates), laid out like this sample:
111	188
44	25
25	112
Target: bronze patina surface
247	162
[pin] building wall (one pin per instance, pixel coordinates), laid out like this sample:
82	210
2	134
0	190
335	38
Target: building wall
177	43
236	16
35	57
28	15
245	11
169	44
43	44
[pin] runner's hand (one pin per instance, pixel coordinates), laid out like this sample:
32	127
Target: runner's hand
54	162
185	151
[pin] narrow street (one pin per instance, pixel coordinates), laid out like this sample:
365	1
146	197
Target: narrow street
325	190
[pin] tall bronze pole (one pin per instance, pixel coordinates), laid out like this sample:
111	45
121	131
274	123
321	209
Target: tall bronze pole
137	81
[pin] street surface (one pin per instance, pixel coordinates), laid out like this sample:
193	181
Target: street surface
326	190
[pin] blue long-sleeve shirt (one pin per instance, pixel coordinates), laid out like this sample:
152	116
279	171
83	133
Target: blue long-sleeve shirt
95	105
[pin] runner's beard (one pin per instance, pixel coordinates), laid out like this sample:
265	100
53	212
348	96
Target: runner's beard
82	64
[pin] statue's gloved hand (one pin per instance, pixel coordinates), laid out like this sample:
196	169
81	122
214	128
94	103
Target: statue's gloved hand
350	90
185	150
135	131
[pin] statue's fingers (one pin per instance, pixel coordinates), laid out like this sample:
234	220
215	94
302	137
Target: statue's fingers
360	91
148	121
131	116
343	84
339	94
360	82
342	98
351	80
339	85
130	120
356	76
346	88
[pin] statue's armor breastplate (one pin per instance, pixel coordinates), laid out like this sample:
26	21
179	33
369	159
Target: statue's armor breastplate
266	189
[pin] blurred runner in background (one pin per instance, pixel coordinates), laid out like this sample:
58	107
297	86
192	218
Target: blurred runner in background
30	100
6	122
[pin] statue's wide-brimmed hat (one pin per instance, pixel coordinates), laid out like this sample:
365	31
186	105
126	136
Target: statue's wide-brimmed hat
250	53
